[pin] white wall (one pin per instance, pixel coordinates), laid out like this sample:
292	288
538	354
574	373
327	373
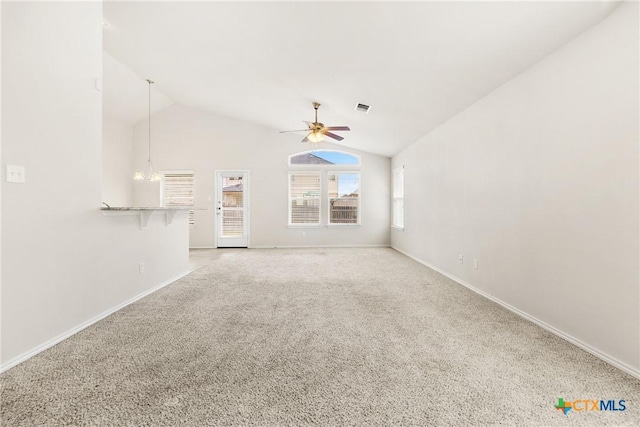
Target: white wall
63	262
125	96
539	182
191	139
117	161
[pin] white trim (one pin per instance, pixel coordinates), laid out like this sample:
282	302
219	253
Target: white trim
340	168
191	212
586	347
359	198
246	213
316	246
397	173
42	347
298	246
290	200
324	226
177	171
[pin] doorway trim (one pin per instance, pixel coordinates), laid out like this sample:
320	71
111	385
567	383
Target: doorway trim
246	202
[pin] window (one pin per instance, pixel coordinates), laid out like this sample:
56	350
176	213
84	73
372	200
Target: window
320	178
398	197
324	157
178	190
304	198
344	201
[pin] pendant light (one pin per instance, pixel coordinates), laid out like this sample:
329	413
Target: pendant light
151	175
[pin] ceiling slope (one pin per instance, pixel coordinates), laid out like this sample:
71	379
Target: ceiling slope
417	63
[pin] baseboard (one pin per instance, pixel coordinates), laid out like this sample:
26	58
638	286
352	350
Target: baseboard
586	347
297	246
29	354
317	246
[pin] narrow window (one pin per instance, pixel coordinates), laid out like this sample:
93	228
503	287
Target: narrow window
178	190
398	198
344	197
304	198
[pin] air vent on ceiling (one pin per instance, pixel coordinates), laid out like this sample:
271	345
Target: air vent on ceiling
362	108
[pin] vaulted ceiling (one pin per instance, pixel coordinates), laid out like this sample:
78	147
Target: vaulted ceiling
416	63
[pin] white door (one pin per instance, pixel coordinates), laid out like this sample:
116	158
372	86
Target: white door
232	209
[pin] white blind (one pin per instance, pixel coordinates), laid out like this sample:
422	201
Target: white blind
304	198
178	190
398	197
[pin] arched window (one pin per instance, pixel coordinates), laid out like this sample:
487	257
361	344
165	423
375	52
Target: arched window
324	157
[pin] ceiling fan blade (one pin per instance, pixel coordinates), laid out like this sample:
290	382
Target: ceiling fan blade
333	135
338	128
306	139
299	130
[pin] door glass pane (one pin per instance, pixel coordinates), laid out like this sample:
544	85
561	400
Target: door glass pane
232	206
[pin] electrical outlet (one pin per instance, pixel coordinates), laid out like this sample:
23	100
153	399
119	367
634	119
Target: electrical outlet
141	267
475	264
460	259
15	174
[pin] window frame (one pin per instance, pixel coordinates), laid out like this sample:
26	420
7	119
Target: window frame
324	170
338	224
395	174
290	199
303	165
190	212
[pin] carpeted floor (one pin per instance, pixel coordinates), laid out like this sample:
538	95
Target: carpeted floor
312	337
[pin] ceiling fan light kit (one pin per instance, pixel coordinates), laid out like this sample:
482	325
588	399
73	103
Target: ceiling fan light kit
318	131
315	137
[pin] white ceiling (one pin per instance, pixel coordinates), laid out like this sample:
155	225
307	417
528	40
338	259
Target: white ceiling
417	63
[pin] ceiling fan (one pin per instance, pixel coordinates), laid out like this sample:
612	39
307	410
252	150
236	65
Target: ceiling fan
317	131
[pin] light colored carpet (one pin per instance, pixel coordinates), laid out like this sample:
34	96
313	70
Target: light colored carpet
312	336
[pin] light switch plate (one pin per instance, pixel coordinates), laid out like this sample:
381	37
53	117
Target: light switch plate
15	174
